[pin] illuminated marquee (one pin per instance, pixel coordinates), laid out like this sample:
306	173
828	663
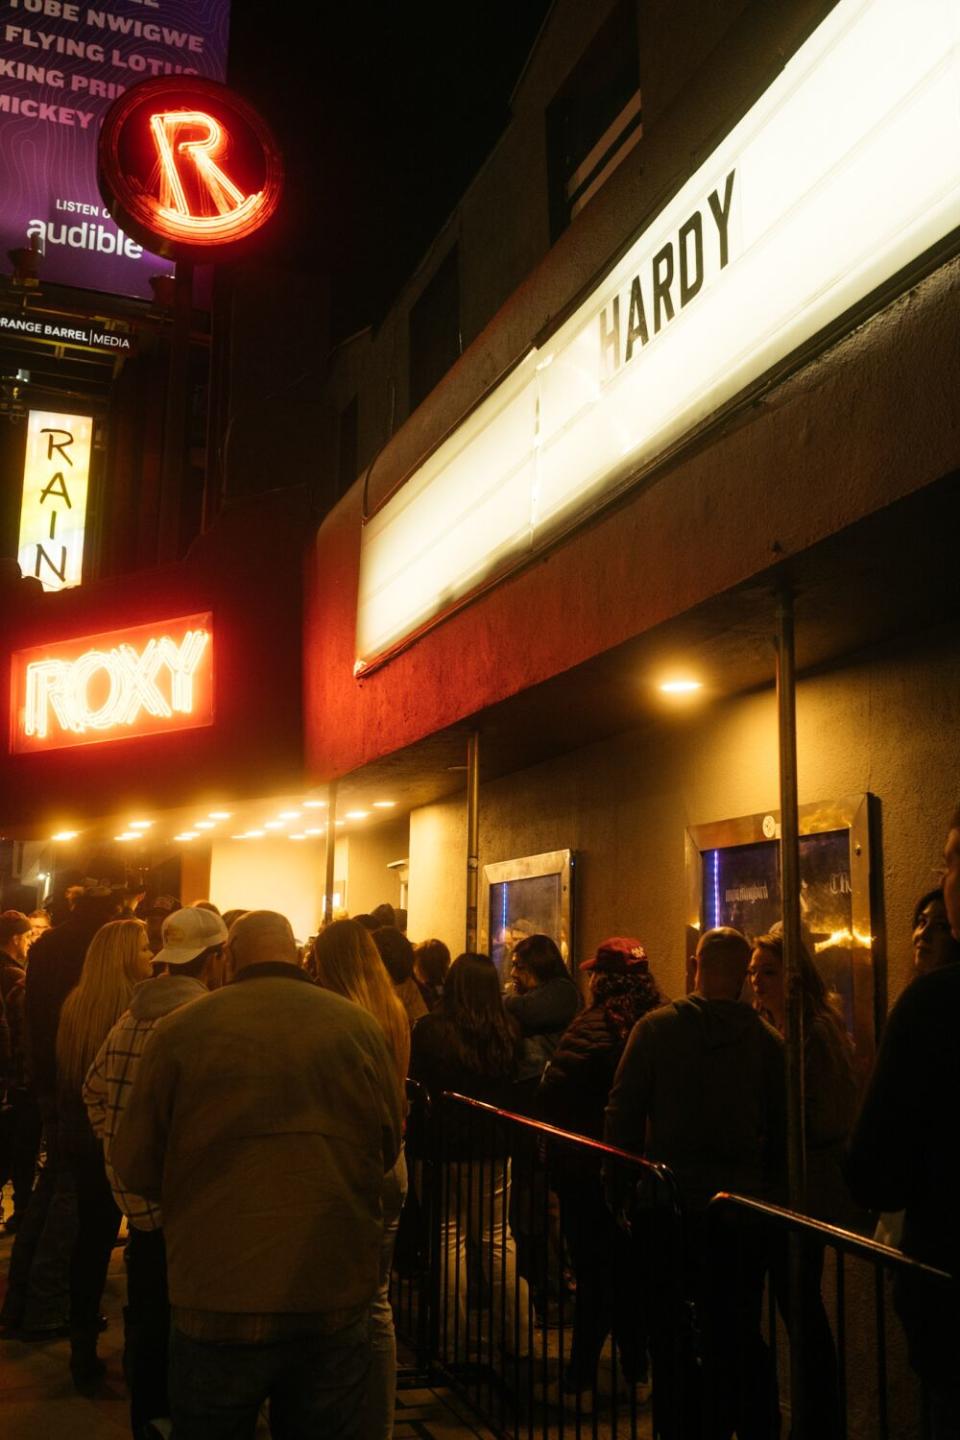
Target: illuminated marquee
843	174
144	681
188	167
53	510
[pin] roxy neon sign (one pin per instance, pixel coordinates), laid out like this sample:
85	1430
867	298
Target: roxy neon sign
187	167
145	681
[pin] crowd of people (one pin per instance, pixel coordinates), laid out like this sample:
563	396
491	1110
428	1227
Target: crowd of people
239	1103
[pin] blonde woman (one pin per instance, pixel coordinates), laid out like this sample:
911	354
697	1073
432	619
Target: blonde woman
346	960
118	957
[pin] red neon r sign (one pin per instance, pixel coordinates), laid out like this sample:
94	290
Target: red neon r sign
195	138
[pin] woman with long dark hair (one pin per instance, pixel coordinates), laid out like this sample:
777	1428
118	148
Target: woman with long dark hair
470	1046
573	1095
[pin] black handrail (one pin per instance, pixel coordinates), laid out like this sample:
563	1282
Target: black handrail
583	1142
834	1235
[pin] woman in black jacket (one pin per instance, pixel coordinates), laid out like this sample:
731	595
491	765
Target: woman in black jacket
573	1095
470	1046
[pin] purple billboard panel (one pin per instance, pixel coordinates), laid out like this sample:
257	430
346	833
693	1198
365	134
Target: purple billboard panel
61	67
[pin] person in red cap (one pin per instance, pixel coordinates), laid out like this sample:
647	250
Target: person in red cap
573	1094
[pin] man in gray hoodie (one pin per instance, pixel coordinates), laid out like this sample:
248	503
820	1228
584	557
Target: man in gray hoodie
193	941
701	1088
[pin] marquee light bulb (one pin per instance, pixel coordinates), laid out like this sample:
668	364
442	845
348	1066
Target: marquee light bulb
680	687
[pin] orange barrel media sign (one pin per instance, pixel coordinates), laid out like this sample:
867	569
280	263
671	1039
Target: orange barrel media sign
188	168
148	680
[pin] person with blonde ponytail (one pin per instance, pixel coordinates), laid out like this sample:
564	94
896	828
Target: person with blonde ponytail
117	959
346	960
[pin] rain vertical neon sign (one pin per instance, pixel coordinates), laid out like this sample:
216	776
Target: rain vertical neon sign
53	510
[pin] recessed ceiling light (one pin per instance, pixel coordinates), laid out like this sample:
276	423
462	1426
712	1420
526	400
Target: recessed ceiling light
338	823
314	804
140	824
219	814
289	815
254	834
273	825
356	815
384	804
65	835
296	837
186	835
314	831
204	824
127	835
680	687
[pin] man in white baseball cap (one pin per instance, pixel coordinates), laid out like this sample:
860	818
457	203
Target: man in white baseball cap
192	951
186	934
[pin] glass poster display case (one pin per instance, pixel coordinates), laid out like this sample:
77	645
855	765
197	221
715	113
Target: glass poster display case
528	896
733	878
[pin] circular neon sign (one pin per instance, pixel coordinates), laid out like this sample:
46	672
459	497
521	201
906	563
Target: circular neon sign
187	167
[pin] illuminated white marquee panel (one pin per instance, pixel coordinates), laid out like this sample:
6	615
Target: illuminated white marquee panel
143	681
53	511
846	170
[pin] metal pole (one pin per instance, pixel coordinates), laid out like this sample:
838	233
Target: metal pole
473	838
792	992
331	853
175	428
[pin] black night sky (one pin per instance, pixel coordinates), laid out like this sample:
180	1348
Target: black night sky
384	113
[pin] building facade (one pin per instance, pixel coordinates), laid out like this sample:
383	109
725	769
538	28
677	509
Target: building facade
543	530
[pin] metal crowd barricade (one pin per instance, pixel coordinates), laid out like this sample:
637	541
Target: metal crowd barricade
515	1285
856	1381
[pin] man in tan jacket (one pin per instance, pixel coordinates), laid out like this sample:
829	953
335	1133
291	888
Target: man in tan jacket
263	1118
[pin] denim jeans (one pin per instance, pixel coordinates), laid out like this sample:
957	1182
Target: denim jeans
478	1248
381	1392
315	1385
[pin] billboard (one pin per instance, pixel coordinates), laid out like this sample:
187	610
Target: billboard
62	66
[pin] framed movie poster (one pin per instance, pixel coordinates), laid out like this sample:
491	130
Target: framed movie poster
733	878
529	896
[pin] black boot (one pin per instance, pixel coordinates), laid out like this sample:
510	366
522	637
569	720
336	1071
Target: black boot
86	1367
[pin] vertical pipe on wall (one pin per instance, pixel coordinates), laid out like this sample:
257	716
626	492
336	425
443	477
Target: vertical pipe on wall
792	992
331	852
790	893
175	426
473	839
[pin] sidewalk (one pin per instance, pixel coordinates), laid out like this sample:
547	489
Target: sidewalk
37	1398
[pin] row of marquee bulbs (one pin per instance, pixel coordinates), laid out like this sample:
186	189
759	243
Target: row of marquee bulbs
286	817
137	829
